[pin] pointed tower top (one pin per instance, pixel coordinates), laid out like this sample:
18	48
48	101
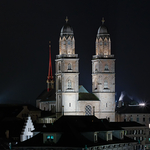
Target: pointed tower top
103	20
50	81
66	19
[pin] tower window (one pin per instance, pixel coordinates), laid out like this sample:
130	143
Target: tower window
69	84
69	66
106	68
105	85
88	110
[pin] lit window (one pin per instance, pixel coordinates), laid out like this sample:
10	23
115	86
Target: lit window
50	138
69	84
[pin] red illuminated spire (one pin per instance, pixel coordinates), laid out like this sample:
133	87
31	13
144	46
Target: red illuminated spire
50	81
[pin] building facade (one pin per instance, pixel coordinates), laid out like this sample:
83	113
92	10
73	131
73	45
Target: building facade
68	101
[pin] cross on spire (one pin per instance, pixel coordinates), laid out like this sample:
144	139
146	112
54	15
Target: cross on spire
66	19
103	20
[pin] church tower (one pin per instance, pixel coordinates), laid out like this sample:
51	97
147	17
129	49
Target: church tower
67	73
103	74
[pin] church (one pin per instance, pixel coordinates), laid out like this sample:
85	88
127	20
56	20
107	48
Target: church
70	98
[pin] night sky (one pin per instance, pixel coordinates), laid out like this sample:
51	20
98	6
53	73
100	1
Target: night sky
27	26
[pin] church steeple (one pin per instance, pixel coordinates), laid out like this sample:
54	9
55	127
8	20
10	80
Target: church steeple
50	81
103	43
66	41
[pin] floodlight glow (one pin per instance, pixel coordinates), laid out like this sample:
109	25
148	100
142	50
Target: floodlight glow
142	104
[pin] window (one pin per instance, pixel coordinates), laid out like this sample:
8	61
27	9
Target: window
50	138
121	135
106	104
143	119
69	66
95	137
109	136
137	119
59	67
105	85
106	68
69	84
59	86
88	110
69	104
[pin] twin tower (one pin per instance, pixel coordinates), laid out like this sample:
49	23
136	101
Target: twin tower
72	99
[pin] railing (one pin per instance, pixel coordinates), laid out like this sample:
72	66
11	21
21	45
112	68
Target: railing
102	56
66	55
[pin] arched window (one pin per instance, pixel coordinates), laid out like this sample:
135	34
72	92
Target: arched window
59	86
106	68
88	110
69	84
59	67
105	85
69	66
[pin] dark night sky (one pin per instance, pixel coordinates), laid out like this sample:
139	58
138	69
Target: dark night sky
27	26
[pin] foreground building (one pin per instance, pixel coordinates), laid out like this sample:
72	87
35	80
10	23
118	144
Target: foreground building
140	114
78	132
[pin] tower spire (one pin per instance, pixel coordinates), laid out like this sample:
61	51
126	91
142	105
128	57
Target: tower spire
50	81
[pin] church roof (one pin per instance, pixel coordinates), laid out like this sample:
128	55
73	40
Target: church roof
85	95
66	30
82	89
88	96
47	96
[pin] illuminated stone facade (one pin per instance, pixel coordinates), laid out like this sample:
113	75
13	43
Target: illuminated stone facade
103	74
69	99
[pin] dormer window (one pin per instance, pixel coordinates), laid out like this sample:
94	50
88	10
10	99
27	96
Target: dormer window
109	136
95	137
121	135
